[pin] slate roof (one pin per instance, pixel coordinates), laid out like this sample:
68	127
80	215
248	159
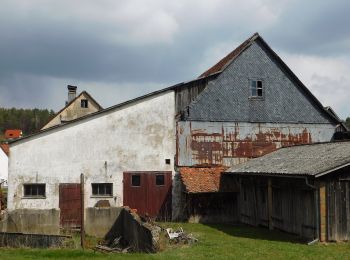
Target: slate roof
201	180
304	160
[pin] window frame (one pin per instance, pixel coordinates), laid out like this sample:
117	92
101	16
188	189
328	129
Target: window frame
256	89
85	102
31	196
105	194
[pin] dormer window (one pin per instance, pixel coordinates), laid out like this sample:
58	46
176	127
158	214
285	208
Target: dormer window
84	103
256	88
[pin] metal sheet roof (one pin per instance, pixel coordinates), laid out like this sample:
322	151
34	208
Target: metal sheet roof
304	160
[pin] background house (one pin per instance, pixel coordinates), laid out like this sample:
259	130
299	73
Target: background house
75	107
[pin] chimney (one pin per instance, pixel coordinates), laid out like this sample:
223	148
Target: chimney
72	93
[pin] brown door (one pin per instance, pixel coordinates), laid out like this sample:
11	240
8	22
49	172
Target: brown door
148	192
70	204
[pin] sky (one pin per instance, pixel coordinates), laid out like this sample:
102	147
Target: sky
120	49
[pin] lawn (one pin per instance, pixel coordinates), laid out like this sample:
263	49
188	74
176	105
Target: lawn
215	241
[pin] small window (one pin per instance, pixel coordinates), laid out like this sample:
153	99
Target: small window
34	190
102	189
167	161
160	179
84	103
136	180
256	88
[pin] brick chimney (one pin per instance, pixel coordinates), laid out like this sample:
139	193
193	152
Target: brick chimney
72	93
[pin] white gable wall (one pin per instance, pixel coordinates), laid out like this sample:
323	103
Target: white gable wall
3	166
135	137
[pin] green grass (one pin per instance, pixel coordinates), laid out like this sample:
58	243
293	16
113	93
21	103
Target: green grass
215	241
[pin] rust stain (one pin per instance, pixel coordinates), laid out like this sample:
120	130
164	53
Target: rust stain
210	149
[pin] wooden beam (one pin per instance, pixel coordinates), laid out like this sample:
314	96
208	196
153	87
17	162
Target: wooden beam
323	212
82	229
269	202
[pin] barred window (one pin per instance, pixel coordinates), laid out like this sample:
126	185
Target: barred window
102	189
34	190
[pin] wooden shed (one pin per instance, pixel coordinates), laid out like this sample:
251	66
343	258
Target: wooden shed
303	190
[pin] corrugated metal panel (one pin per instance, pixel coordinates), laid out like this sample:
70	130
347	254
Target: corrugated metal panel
222	143
70	204
149	199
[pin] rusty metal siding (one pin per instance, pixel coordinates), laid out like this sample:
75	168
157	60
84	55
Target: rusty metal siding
148	198
223	143
70	204
228	97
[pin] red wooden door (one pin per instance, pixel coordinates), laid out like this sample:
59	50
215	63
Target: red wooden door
148	192
70	204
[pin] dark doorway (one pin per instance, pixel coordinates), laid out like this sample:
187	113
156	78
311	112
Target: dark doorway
70	205
149	193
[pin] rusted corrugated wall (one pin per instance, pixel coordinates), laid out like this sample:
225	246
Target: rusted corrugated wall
229	143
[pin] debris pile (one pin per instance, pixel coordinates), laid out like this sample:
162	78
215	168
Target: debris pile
118	245
179	236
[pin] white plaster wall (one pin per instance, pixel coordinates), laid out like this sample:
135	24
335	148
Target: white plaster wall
135	137
3	166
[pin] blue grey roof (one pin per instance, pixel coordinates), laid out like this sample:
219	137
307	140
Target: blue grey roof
285	98
314	159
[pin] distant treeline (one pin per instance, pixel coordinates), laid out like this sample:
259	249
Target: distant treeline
28	120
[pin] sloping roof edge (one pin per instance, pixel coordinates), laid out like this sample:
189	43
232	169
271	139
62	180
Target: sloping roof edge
173	87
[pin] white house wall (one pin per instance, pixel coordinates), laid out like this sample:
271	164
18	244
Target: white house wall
3	166
135	137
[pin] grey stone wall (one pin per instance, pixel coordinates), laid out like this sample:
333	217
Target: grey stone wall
98	221
34	221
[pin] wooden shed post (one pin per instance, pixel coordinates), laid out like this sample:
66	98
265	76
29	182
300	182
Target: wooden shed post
82	229
269	202
323	212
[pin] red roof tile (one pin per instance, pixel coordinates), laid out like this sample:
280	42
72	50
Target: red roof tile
199	180
5	148
13	133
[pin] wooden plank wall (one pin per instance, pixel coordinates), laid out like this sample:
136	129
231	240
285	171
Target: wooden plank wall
338	204
293	205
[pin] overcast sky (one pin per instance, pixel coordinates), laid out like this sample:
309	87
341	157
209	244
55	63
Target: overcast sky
117	50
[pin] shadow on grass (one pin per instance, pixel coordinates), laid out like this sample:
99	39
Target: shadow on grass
259	233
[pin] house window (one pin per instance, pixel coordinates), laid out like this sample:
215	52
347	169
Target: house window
160	179
136	180
256	88
84	103
167	161
102	189
34	190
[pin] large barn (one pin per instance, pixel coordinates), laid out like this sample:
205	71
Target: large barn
150	153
